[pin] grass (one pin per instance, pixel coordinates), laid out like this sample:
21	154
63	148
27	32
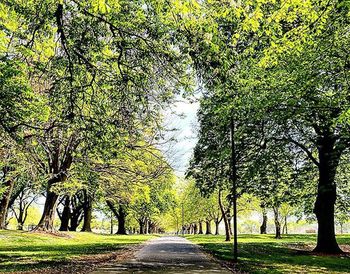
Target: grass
265	254
24	251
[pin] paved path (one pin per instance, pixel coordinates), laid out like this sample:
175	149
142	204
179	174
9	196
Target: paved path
166	255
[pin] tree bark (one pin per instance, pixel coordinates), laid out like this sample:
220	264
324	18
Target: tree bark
5	199
229	219
147	226
87	208
121	220
195	228
142	226
66	215
329	157
277	222
77	211
263	226
285	225
224	216
208	227
200	231
46	222
217	223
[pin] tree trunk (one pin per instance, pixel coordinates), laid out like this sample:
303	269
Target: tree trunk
46	222
74	223
142	225
208	227
224	216
200	227
5	199
285	225
77	211
263	226
195	229
217	223
121	220
87	208
277	223
66	215
229	219
329	157
20	217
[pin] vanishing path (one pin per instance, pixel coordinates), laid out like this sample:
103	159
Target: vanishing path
166	255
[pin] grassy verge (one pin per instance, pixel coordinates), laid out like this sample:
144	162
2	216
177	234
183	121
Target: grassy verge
264	254
23	251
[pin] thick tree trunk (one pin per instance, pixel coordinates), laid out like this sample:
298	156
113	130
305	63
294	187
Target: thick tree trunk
46	222
4	202
217	223
121	220
141	226
77	212
263	226
229	219
195	229
329	158
75	221
66	215
208	227
87	215
20	226
277	223
200	227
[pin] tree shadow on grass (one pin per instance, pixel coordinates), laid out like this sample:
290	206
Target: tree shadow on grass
278	258
34	257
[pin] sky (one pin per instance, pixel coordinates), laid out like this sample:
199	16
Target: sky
183	120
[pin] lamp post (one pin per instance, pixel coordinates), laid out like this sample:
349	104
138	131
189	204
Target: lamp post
183	217
234	189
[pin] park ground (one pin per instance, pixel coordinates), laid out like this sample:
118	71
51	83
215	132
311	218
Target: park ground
265	254
78	252
71	252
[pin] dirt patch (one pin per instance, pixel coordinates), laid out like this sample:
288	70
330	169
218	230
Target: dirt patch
51	233
307	249
85	264
301	247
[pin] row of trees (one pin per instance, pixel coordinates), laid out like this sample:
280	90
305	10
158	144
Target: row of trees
83	85
209	213
276	77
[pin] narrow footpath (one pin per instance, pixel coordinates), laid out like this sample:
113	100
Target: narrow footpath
166	255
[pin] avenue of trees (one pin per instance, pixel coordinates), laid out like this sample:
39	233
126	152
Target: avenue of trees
84	86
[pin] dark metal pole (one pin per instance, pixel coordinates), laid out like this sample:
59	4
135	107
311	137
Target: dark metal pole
234	190
183	215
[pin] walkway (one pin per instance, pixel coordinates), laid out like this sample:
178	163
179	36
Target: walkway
166	255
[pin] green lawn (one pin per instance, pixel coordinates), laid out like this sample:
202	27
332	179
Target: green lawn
26	251
264	254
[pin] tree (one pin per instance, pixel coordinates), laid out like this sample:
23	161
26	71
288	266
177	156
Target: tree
283	63
108	68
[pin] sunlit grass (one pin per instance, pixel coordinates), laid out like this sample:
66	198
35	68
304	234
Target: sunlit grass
25	251
265	254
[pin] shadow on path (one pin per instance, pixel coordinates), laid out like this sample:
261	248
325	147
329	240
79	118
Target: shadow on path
166	255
